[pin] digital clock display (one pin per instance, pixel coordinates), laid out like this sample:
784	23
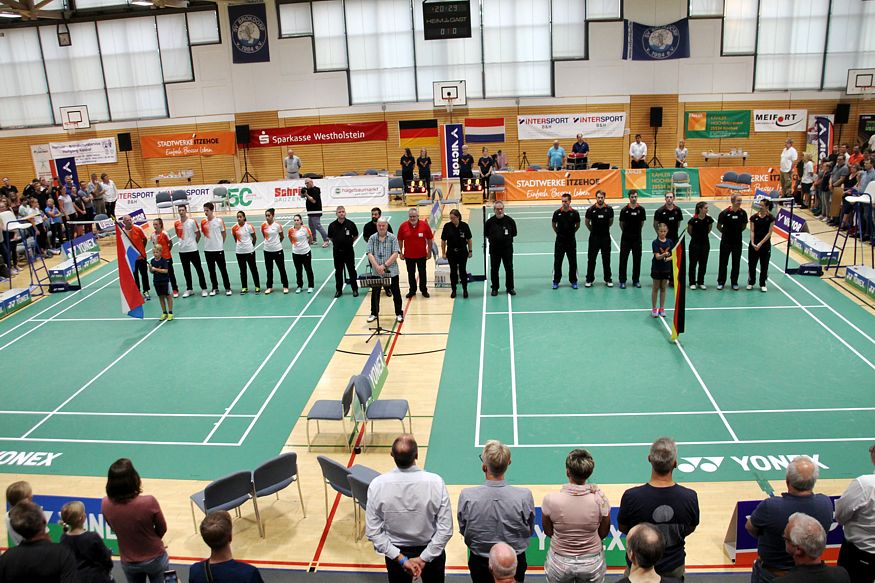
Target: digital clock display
446	20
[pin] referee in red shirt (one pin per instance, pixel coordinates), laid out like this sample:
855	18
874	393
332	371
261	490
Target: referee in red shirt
415	239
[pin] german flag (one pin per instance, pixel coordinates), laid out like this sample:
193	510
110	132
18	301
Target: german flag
679	269
418	133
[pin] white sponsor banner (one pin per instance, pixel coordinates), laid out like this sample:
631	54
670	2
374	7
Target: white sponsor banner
284	194
94	151
779	120
42	160
568	125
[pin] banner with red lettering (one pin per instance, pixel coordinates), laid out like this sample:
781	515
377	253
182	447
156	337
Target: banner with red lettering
762	177
551	185
331	133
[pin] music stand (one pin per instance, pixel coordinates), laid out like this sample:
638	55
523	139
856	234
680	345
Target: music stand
376	283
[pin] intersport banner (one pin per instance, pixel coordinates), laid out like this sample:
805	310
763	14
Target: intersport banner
762	177
94	151
189	144
282	194
564	126
551	185
331	133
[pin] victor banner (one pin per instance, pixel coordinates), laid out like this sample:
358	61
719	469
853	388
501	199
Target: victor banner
780	120
332	133
93	151
552	185
762	177
568	125
189	144
718	124
452	140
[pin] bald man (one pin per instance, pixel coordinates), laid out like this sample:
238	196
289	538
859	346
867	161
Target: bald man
502	563
768	520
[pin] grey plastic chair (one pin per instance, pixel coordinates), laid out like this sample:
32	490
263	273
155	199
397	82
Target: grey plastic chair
396	186
350	173
103	232
179	198
336	475
331	410
226	493
732	181
221	197
275	475
163	200
372	172
359	489
381	409
496	184
681	181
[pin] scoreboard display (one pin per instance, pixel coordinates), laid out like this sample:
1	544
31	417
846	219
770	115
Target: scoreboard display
447	20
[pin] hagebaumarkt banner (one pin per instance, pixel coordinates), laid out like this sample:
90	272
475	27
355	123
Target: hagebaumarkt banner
762	177
284	194
718	124
565	126
331	133
657	181
192	144
780	120
95	151
551	185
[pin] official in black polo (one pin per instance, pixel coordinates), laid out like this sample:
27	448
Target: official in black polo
370	228
457	247
599	218
343	234
407	164
671	215
731	223
500	230
566	222
466	164
632	217
699	230
486	164
423	164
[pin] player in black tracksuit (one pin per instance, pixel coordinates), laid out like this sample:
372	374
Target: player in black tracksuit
632	218
731	223
599	218
566	222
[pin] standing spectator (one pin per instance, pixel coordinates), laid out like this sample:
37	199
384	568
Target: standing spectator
632	218
313	194
581	148
423	164
856	157
824	191
55	221
138	239
138	523
189	235
788	160
855	511
638	153
300	237
292	165
671	216
110	194
244	235
599	218
837	182
556	157
566	222
36	559
8	188
408	163
383	252
699	229
34	189
645	546
466	164
273	251
731	223
487	167
502	563
457	247
214	231
343	234
88	204
500	160
68	211
500	231
759	249
576	518
807	179
220	567
669	507
93	558
680	155
98	195
415	239
805	541
495	512
371	227
769	518
409	518
15	493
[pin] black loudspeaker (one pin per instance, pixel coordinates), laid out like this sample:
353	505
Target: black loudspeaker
843	113
656	117
242	135
124	142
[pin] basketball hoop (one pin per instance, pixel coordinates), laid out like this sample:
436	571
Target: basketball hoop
75	117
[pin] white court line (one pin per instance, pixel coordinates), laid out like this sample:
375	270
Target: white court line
615	243
513	403
611	310
176	318
114	441
543	253
480	367
716	442
111	414
701	382
97	376
667	413
294	360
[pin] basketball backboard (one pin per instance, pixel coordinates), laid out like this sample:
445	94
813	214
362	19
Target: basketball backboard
449	93
75	117
861	81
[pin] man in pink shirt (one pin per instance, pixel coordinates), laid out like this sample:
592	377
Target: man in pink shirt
415	239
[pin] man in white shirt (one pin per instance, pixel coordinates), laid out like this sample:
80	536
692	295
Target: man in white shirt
292	165
409	518
638	153
110	194
788	160
872	143
855	511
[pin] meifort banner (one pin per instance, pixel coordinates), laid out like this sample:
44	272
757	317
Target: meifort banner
780	120
563	126
194	144
285	194
551	185
332	133
762	177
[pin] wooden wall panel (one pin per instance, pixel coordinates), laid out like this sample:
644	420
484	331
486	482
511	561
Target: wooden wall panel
639	123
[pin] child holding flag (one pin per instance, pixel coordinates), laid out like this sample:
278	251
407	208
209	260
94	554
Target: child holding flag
660	269
160	268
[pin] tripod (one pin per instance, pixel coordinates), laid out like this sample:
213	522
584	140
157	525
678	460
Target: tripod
655	162
130	183
247	177
524	161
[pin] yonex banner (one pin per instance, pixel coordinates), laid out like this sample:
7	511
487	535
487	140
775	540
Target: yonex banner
452	140
249	33
94	519
95	151
87	243
564	126
332	133
656	43
551	185
780	120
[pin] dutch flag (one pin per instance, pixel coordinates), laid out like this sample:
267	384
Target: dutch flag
132	299
484	129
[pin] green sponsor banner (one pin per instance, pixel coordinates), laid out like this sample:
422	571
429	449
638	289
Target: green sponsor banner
717	124
656	182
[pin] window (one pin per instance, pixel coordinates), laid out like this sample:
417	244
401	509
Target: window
86	4
851	43
132	67
74	73
203	27
24	97
569	29
791	38
603	9
295	19
706	7
739	27
329	35
175	52
516	40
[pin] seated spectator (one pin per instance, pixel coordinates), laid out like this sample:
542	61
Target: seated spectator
502	563
669	507
15	493
855	511
37	559
768	520
494	513
93	558
644	548
805	541
221	567
576	518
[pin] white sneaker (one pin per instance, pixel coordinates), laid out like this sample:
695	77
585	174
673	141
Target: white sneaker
204	293
588	284
399	318
610	283
228	292
703	286
763	288
187	293
749	287
371	318
298	290
692	286
213	292
309	290
719	286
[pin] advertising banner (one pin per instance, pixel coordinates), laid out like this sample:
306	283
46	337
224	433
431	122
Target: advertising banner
785	224
87	243
717	124
283	194
643	42
614	542
866	128
452	140
43	163
656	181
762	177
67	167
196	144
332	133
51	505
824	137
94	151
780	120
564	126
249	33
551	185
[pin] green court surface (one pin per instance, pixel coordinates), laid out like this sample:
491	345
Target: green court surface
217	389
756	379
